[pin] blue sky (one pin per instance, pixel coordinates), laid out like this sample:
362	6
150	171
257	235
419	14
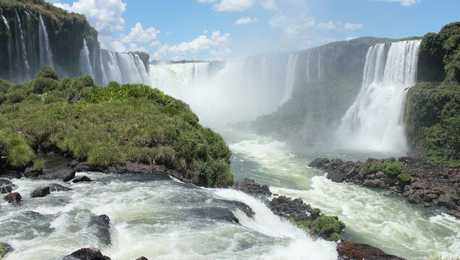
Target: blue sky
214	29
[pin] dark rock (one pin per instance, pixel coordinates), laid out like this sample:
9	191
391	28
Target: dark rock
214	213
102	225
41	192
70	176
418	182
82	179
57	187
348	250
6	186
291	208
4	249
251	187
239	205
142	258
13	198
87	254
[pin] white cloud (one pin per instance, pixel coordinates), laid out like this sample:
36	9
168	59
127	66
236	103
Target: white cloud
234	5
403	2
139	38
239	5
214	45
245	20
105	15
353	26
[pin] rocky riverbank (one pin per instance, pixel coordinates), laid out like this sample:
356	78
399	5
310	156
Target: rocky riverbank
419	182
313	221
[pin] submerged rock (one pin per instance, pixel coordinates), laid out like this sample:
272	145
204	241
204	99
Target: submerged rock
102	225
142	258
6	186
57	187
4	249
41	192
13	198
87	254
252	188
348	250
215	213
82	179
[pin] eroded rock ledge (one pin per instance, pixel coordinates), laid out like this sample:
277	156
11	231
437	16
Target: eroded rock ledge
418	182
313	221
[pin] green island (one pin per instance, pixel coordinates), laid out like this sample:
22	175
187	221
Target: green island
107	126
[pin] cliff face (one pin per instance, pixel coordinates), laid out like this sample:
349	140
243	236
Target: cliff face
432	107
34	33
328	79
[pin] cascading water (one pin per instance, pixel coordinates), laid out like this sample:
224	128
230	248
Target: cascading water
374	122
132	68
85	61
5	21
46	55
24	51
291	73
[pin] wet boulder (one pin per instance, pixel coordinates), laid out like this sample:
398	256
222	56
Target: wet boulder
82	179
6	186
251	187
101	224
57	187
13	198
142	258
87	254
41	192
348	250
215	213
69	176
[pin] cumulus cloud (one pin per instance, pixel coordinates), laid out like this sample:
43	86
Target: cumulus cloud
245	20
214	45
105	15
403	2
239	5
139	38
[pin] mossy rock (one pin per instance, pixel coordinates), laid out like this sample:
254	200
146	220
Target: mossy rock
391	168
4	249
327	227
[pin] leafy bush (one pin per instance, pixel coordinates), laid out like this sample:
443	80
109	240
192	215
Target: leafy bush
433	122
391	168
115	125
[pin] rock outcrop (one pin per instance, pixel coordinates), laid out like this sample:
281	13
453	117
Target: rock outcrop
418	182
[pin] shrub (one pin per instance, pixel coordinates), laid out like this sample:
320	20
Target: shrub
391	168
115	125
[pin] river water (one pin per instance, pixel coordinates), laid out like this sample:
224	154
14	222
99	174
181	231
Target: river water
161	218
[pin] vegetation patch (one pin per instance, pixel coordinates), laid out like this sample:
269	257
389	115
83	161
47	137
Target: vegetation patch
391	168
327	227
108	126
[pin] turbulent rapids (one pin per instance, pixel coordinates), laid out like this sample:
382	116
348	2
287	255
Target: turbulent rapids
161	194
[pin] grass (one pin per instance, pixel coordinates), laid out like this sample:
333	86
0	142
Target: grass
109	127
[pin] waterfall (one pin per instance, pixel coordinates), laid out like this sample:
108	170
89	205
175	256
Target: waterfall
85	61
25	56
123	68
374	121
46	55
291	70
5	21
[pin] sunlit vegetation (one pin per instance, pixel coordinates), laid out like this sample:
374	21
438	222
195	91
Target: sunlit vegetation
107	127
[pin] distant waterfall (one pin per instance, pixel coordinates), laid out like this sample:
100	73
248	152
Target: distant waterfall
291	73
46	55
85	60
374	121
24	51
123	68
